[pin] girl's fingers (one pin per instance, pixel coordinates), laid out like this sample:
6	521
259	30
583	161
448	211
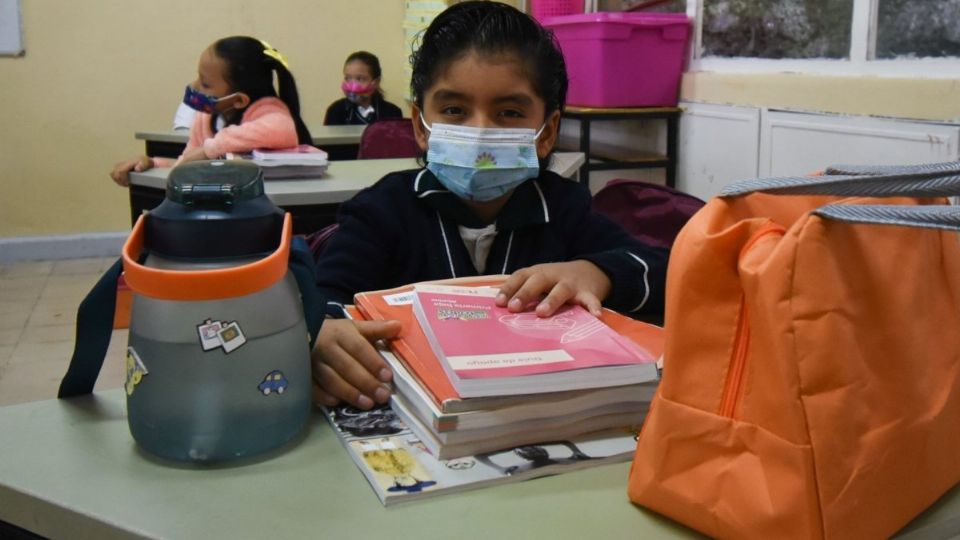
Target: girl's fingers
322	398
558	296
333	382
511	285
348	366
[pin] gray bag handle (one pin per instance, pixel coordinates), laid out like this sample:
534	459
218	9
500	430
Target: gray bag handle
929	180
927	217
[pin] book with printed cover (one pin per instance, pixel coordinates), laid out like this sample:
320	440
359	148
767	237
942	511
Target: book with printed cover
399	468
486	350
415	353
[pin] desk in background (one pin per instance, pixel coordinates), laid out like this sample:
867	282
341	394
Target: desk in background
606	159
340	142
70	469
314	201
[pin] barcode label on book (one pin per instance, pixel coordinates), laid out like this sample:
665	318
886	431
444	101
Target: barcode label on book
400	299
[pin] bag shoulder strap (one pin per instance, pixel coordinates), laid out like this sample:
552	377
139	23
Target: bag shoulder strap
927	217
929	180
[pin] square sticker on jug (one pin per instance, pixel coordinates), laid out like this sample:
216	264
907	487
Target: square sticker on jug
208	334
231	337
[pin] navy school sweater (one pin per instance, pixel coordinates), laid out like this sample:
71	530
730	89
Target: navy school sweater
403	230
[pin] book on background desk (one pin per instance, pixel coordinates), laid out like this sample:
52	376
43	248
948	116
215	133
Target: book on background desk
412	348
399	467
302	161
486	350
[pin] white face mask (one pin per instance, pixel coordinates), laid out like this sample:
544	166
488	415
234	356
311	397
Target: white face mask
481	164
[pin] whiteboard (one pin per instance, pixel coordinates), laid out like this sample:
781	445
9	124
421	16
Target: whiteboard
11	38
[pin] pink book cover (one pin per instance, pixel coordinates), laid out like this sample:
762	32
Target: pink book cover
480	340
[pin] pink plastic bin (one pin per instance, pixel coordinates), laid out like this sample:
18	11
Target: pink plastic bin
541	9
622	59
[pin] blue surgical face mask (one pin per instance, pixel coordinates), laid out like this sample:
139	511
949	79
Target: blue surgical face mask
481	164
199	101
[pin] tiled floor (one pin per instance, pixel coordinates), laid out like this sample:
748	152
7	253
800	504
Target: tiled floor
38	310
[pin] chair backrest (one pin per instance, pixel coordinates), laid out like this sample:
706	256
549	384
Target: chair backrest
389	138
651	213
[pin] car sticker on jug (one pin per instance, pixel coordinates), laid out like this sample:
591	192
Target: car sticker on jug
220	334
274	383
135	370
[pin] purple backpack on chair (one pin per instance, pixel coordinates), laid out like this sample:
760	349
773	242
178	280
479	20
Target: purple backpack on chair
389	138
651	213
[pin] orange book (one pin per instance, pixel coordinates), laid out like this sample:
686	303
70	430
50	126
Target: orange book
413	348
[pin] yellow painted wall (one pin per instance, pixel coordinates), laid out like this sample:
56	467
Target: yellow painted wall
897	97
96	71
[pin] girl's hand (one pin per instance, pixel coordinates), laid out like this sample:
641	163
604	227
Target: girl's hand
121	171
580	282
347	367
196	154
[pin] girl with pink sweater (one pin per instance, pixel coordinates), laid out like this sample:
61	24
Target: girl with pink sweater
240	109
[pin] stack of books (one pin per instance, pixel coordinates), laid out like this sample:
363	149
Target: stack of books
450	408
303	161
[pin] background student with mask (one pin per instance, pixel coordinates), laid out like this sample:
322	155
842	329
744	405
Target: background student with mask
489	84
363	100
238	107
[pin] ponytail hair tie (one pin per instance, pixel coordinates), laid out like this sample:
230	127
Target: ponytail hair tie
275	54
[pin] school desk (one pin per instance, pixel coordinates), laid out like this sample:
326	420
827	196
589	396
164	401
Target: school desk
605	158
70	469
314	201
340	142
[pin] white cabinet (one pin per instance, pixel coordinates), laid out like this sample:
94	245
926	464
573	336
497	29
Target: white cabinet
721	144
718	145
798	143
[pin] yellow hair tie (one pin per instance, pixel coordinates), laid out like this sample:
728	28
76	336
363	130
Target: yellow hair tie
275	54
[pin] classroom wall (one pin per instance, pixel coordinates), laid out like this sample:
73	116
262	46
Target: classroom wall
895	97
96	71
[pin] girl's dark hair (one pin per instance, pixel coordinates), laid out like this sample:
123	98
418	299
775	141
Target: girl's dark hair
490	28
250	70
372	63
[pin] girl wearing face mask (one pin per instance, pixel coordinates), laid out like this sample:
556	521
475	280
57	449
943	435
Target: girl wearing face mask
238	107
363	100
488	85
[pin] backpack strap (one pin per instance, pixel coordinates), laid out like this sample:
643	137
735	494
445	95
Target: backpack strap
303	269
95	319
94	328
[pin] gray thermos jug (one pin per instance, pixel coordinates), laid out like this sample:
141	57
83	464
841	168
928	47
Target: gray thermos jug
218	363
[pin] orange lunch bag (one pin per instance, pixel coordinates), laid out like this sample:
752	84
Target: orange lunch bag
810	382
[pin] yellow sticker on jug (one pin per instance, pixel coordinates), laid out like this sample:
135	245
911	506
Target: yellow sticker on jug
135	370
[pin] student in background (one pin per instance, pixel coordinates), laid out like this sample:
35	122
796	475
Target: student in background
238	107
489	85
363	102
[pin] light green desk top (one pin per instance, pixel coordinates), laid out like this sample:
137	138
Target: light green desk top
70	469
322	135
344	179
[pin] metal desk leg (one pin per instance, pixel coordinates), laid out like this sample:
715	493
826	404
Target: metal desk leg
585	148
672	131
